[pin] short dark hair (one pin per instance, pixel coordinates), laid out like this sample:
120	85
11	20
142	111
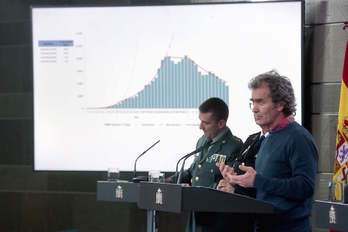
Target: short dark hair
280	89
216	106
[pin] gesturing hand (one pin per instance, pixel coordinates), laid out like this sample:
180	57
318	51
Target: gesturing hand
246	180
225	186
225	169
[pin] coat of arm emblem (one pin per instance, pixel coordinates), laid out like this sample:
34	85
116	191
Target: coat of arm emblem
332	215
159	197
119	192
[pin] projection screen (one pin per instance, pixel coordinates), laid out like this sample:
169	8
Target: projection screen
110	81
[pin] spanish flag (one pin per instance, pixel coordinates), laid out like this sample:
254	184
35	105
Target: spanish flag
341	158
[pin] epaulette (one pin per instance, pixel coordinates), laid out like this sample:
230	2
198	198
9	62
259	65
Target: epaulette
238	139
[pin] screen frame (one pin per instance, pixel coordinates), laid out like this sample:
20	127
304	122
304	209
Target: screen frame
304	114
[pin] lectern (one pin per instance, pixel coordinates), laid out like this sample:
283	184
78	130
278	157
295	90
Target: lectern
177	199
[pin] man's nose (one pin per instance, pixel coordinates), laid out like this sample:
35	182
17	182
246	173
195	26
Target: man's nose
254	108
201	126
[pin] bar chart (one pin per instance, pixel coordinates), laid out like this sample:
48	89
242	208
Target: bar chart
179	83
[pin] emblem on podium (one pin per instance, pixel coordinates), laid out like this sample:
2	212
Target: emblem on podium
159	197
119	192
332	215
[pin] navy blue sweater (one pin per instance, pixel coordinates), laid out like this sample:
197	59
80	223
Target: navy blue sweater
286	167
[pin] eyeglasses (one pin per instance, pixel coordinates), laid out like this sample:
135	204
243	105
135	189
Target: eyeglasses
257	102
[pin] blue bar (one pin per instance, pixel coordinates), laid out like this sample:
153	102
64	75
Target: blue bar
194	97
212	85
171	86
186	86
161	86
56	43
166	86
157	94
174	85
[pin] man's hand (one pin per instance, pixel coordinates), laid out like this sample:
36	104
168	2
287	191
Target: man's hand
225	186
246	180
225	169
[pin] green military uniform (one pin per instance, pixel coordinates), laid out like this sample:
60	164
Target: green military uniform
203	172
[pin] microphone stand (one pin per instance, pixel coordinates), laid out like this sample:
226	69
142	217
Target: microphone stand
141	178
242	156
185	157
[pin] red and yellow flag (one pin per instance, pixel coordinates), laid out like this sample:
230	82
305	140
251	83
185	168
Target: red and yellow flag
341	159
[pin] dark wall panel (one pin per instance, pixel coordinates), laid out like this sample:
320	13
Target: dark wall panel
10	211
16	69
15	33
19	10
16	106
16	142
42	212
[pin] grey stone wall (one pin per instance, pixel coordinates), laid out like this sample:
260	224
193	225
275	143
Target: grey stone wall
325	49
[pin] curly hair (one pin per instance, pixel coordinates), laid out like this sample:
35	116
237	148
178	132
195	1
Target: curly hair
280	89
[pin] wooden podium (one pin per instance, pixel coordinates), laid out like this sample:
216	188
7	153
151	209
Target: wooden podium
177	199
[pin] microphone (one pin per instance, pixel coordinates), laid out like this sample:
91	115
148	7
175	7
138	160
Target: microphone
185	157
239	160
242	157
141	178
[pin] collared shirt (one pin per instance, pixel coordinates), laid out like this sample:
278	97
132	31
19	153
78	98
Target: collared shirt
283	123
264	135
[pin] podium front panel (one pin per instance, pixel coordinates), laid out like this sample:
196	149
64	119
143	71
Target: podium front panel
330	215
118	191
205	199
160	196
177	198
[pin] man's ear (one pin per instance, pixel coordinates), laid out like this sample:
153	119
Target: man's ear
222	123
280	106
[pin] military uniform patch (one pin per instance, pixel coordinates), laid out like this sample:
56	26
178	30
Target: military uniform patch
216	158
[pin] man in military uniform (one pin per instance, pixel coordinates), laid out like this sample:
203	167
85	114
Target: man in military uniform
213	114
